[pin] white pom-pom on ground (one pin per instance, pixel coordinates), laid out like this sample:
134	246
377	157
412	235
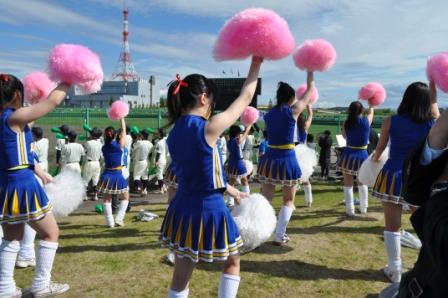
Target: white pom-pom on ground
307	160
66	192
369	169
256	221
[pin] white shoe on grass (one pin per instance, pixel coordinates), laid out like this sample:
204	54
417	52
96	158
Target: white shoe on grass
119	223
51	290
409	240
393	276
21	263
16	294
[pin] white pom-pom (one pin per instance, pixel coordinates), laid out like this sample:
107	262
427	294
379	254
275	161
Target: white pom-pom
307	160
66	192
369	169
249	166
255	219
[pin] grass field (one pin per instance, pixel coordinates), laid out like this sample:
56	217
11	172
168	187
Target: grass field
329	255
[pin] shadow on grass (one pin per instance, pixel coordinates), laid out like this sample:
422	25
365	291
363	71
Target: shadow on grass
377	230
298	270
108	247
111	233
269	249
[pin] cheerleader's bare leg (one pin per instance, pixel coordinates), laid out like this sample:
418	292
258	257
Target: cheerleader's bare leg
268	191
245	183
183	269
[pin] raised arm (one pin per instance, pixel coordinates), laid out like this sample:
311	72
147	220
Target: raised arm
384	138
122	133
309	119
299	106
25	115
438	135
370	113
220	122
433	97
246	133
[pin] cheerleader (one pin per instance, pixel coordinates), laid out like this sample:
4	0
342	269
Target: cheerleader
113	181
25	202
237	167
140	153
413	121
279	165
92	168
302	135
356	131
40	147
197	225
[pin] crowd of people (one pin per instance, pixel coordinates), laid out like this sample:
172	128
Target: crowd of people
205	165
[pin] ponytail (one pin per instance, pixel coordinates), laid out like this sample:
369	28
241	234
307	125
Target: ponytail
284	93
354	111
109	135
9	85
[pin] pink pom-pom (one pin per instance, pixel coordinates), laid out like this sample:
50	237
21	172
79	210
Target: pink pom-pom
437	70
37	86
254	32
315	55
249	116
374	93
76	65
118	110
302	89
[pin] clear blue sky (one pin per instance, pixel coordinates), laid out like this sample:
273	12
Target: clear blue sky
382	40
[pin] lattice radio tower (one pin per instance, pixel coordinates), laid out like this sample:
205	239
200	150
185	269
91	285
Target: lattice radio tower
125	70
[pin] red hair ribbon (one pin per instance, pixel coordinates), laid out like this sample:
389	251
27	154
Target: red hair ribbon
4	77
180	83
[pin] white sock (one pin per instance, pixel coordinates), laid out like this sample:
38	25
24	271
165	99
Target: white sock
245	188
349	203
44	263
8	256
228	286
108	214
393	249
175	294
283	219
308	193
122	210
27	244
363	191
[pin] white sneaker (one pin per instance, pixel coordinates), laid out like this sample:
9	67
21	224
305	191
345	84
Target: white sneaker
86	198
144	192
409	240
52	290
16	294
119	223
20	263
393	276
170	258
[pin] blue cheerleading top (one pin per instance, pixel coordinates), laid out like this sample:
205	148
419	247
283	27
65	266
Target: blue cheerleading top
113	155
404	135
198	166
280	125
234	148
358	134
15	148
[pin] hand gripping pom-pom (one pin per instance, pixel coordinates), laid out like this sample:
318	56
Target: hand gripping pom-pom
249	116
437	70
118	110
254	32
369	170
66	192
37	86
374	93
307	160
315	55
76	65
256	221
302	89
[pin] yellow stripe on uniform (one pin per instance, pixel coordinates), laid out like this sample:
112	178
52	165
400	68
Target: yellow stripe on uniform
358	147
284	146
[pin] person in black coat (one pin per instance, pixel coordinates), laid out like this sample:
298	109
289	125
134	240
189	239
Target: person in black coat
325	141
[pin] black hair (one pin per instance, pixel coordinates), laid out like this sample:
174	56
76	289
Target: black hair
161	133
184	100
416	103
64	129
265	134
71	135
109	135
327	132
354	111
96	133
37	132
234	131
284	93
144	134
9	85
309	138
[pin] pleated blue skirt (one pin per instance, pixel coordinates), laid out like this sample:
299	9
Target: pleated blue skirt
388	183
200	228
279	167
351	160
236	169
22	198
113	182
